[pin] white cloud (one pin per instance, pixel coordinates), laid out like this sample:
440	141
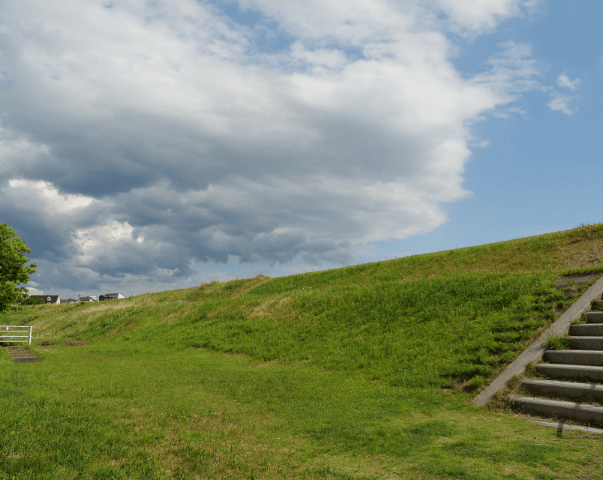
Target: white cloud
108	237
153	136
562	103
478	15
564	81
513	71
507	112
471	17
47	196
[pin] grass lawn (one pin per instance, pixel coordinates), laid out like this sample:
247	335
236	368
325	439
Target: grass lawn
358	373
199	414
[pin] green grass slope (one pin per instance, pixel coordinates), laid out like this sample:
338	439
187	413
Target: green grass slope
361	372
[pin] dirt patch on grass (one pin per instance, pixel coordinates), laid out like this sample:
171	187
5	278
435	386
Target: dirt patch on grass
578	280
268	364
583	253
250	285
271	307
177	316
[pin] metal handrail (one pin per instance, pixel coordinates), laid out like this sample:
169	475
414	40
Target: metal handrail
9	329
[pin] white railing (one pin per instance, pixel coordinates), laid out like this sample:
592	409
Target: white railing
6	330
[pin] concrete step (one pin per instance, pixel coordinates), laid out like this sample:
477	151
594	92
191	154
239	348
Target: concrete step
594	317
22	355
586	343
565	389
556	408
26	359
575	357
571	371
561	425
587	329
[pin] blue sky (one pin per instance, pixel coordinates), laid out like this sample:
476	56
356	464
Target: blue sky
539	172
148	146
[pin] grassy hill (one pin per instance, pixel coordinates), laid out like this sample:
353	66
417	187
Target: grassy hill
360	372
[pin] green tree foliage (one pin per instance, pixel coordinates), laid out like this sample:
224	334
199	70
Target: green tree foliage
32	301
13	270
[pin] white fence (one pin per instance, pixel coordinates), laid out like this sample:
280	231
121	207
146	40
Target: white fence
8	331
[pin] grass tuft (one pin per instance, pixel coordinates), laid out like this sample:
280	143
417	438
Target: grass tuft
557	342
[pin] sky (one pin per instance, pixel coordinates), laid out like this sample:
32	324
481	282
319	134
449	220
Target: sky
148	145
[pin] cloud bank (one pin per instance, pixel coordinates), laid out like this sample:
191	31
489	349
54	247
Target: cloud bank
138	139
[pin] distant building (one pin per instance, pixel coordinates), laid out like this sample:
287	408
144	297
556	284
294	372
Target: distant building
48	299
89	298
110	296
68	300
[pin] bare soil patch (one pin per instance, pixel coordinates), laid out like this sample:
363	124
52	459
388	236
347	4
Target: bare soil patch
578	280
583	254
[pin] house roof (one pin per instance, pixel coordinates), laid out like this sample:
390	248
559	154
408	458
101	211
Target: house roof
46	298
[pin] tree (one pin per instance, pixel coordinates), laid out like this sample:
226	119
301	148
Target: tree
13	270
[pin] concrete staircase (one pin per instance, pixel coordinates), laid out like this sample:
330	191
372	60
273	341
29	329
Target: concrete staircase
22	355
573	388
